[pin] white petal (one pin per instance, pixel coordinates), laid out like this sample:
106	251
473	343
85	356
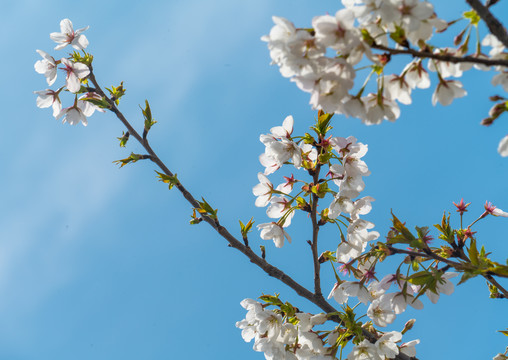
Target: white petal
66	26
503	147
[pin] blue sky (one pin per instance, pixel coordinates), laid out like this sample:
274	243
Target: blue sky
99	262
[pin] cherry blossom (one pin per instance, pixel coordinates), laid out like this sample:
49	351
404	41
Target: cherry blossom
409	348
381	313
75	72
67	36
46	66
446	91
47	98
386	344
76	113
263	191
275	232
364	351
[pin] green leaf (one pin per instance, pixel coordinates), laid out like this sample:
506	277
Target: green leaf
367	37
288	309
149	121
271	300
466	276
421	278
320	189
116	92
168	179
323	124
447	233
402	229
206	209
399	36
500	270
195	220
100	102
245	229
124	139
473	252
131	159
86	58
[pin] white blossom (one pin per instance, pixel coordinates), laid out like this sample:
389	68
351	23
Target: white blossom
381	313
275	232
409	348
76	113
75	72
46	66
47	98
386	344
446	91
364	351
67	36
263	190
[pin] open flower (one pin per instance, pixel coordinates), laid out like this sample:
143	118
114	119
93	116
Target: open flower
68	36
47	98
263	191
446	91
46	66
275	232
76	113
75	72
386	344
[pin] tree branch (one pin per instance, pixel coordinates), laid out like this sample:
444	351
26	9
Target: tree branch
456	265
495	27
315	232
269	269
442	57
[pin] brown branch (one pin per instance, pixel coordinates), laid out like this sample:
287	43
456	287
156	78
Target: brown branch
315	232
493	281
442	57
429	255
495	27
456	265
269	269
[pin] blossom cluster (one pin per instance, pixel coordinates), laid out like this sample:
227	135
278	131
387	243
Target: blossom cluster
343	158
75	73
355	33
280	148
281	337
283	340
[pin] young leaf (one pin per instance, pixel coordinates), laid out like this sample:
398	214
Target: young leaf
131	159
170	180
116	92
245	229
124	139
206	209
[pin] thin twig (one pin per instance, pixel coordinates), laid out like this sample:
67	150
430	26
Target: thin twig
456	265
494	282
442	57
496	28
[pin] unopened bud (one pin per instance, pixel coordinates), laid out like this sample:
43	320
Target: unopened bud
487	121
458	39
496	98
408	326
